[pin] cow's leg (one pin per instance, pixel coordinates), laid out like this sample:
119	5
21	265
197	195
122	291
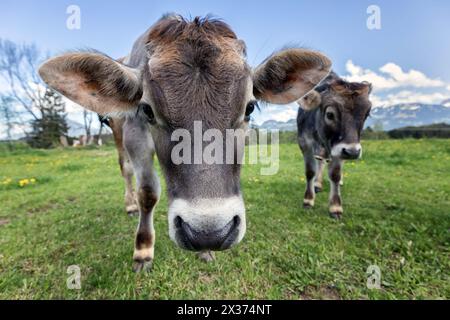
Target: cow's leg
318	183
130	196
126	167
310	172
140	147
334	173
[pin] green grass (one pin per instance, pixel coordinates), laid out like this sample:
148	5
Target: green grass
397	216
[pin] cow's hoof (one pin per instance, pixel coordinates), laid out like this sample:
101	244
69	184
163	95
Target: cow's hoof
206	256
142	265
317	189
132	210
133	213
336	215
308	203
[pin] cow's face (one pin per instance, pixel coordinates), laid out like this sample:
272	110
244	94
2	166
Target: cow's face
344	109
195	73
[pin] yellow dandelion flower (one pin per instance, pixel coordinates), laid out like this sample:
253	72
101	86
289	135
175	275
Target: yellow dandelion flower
33	180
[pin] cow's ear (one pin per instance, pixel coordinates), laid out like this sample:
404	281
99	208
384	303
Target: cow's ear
94	81
288	75
310	101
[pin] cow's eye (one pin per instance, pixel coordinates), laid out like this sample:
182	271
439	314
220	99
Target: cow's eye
250	108
330	115
147	110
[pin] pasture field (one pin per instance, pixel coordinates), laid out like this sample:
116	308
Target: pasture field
70	211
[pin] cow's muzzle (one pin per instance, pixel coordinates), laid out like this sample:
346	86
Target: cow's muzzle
350	153
196	240
207	224
347	151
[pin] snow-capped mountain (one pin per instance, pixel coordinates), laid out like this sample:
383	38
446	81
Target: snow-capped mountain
290	125
446	103
413	114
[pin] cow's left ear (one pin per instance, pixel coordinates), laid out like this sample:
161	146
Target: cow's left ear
288	75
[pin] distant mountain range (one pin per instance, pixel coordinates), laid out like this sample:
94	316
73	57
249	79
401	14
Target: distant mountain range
413	114
392	117
290	125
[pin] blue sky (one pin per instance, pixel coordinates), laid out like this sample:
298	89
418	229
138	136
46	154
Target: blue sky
412	48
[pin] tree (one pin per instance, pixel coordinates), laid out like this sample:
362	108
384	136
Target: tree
47	130
30	101
18	70
7	115
87	119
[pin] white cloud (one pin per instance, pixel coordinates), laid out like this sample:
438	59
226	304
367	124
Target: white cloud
391	76
276	112
392	85
407	96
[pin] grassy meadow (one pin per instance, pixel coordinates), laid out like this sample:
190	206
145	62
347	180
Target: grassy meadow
65	207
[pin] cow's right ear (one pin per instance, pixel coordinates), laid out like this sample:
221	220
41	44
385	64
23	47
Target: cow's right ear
311	101
94	81
288	75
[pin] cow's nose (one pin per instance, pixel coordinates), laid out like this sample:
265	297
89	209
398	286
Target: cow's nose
351	153
197	240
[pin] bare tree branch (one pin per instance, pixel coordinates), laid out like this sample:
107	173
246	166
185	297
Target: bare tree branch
18	68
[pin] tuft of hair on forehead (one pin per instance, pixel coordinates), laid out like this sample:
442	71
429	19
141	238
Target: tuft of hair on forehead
200	66
351	89
172	27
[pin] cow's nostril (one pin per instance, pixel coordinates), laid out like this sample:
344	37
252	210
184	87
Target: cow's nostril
178	222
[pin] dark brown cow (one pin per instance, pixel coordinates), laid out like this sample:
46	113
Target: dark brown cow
180	72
